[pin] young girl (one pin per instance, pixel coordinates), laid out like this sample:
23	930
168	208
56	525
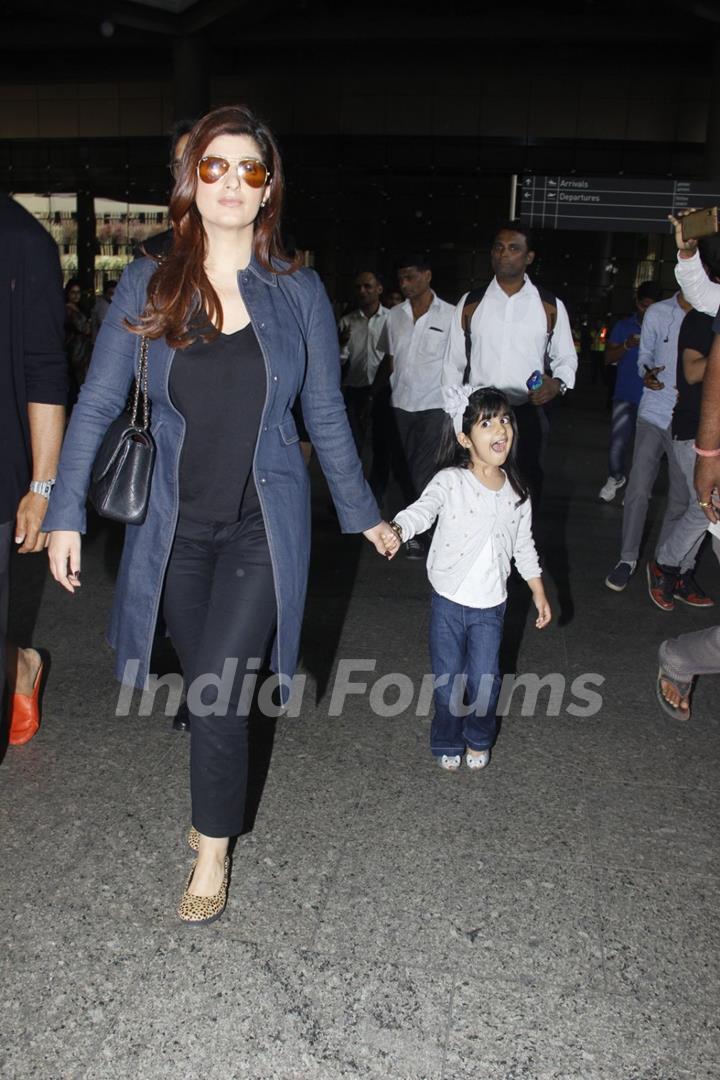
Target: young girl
484	521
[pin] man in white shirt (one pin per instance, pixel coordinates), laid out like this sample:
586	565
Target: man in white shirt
359	332
514	329
101	308
414	338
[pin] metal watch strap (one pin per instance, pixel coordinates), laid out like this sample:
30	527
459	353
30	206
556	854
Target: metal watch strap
42	487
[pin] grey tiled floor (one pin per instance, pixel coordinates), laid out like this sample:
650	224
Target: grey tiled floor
554	918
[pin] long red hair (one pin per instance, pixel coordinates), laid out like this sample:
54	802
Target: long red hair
179	291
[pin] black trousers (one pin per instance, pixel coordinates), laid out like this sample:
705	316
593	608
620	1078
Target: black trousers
358	402
219	605
386	452
533	429
419	434
368	408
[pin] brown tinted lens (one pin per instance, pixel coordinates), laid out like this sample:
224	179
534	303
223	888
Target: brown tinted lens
253	172
211	169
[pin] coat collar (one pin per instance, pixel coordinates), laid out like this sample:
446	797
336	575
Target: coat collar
266	276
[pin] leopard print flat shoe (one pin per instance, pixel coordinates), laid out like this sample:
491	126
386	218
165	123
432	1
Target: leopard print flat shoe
202	910
193	838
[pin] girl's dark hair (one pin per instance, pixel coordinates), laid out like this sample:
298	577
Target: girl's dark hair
483	404
180	289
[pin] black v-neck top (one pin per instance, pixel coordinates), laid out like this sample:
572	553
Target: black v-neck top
219	387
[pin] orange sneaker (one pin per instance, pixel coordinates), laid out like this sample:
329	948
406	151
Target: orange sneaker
661	583
689	592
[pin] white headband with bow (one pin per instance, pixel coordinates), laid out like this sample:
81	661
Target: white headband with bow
456	401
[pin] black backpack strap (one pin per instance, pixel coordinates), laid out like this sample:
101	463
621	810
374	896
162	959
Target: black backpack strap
472	302
549	303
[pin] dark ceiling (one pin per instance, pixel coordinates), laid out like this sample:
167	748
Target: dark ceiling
60	39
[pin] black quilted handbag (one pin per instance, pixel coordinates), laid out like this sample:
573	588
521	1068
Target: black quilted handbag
122	471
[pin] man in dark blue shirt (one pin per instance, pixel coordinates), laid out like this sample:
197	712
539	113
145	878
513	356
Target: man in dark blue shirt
622	350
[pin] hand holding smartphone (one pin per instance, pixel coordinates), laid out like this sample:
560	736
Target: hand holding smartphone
699	223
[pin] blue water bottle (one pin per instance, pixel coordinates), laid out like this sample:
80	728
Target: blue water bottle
535	381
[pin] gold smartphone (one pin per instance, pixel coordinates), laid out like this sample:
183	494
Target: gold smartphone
700	223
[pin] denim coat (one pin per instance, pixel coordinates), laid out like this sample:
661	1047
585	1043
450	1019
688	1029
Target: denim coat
294	324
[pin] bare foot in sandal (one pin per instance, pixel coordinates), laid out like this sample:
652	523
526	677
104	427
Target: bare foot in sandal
672	695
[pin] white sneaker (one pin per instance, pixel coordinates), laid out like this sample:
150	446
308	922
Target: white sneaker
451	762
611	487
477	759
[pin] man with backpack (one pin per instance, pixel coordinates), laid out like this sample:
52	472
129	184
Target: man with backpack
503	333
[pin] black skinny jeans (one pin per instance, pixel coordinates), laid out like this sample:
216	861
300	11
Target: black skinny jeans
419	434
219	604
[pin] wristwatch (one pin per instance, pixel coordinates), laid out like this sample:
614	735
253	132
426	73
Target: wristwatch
42	487
397	529
563	386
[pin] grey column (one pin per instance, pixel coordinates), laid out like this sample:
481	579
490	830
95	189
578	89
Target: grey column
86	240
191	81
712	137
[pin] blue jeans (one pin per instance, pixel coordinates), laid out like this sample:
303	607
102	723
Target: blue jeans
464	652
622	430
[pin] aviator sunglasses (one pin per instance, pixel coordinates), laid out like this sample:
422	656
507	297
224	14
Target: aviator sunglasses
253	172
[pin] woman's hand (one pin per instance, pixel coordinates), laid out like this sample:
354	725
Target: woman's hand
685	247
385	541
64	556
391	542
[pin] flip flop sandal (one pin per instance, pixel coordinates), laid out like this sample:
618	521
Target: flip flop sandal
684	689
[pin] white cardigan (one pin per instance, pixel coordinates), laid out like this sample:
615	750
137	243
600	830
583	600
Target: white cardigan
468	515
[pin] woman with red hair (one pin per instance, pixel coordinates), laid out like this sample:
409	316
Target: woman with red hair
236	333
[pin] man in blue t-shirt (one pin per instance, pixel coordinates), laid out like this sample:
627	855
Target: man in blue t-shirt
622	351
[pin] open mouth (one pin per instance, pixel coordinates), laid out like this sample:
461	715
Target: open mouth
499	446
